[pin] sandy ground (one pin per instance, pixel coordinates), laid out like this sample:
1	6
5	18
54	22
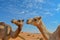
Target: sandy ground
28	36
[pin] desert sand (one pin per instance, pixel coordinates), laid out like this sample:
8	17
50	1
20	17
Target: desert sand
28	36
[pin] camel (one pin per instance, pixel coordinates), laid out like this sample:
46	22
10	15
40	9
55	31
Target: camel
37	21
6	30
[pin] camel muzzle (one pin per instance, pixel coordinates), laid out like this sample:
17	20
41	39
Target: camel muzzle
27	21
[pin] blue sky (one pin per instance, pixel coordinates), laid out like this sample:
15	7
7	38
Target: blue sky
25	9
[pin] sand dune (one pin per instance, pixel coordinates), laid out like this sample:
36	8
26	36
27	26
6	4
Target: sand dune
28	36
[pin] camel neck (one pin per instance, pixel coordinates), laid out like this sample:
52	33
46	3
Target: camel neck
18	30
19	27
43	30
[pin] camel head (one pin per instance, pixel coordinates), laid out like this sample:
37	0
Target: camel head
18	22
34	21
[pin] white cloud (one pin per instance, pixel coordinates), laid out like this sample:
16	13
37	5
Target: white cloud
33	13
58	7
30	14
39	0
22	12
30	5
48	13
55	22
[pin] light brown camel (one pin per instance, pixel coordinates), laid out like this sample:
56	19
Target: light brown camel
6	30
46	34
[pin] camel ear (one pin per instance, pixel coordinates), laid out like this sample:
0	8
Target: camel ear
40	17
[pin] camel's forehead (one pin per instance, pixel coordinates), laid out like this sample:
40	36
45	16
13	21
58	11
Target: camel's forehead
21	21
38	18
14	20
30	19
17	20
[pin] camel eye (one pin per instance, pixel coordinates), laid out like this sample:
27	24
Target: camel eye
35	20
19	20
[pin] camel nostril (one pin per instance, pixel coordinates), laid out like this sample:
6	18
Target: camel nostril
23	20
27	21
12	21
